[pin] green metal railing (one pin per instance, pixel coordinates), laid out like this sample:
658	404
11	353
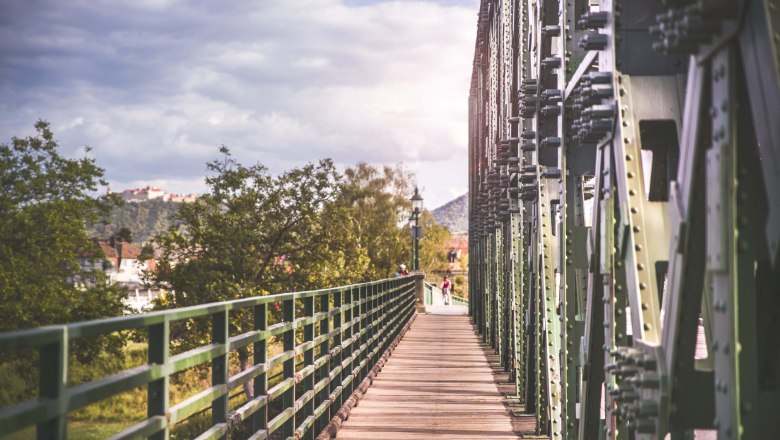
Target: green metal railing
428	294
431	290
345	331
459	300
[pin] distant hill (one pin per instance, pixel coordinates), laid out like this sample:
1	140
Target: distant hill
454	214
144	219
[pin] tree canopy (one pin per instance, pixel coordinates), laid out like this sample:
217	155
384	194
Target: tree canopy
371	205
250	234
434	244
45	201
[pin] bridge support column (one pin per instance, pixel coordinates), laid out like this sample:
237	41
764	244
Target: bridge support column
419	290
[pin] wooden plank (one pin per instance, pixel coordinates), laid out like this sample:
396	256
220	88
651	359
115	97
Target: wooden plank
437	384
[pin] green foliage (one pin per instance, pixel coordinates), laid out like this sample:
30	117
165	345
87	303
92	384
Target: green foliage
253	233
433	245
123	234
45	200
371	205
250	234
144	219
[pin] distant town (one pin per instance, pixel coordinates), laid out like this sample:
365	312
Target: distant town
153	193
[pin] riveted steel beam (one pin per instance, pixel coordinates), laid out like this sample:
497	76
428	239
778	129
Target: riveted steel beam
614	264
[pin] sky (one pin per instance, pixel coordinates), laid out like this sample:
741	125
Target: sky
154	87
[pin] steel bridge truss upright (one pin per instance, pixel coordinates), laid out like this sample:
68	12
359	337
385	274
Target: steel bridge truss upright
624	160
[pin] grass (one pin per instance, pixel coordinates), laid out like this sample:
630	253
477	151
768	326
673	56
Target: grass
79	430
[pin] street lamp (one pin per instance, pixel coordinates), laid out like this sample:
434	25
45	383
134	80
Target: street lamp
415	228
417	201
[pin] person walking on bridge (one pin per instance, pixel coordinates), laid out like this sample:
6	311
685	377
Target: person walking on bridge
446	286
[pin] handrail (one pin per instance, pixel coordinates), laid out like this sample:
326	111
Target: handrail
430	290
459	300
365	319
428	293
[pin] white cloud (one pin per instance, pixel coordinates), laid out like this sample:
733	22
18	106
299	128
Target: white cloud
155	87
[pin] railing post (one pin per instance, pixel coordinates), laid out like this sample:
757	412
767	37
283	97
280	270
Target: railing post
336	360
260	418
54	384
387	289
308	359
373	312
324	369
219	367
157	391
288	398
348	351
364	320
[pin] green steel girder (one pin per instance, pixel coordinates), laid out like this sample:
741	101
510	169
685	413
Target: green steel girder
550	327
683	224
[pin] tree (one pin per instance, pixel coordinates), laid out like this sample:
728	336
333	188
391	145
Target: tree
250	234
122	234
374	203
434	244
45	201
253	233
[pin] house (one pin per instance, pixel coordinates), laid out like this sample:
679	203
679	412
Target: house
122	265
142	194
89	260
180	198
457	256
127	266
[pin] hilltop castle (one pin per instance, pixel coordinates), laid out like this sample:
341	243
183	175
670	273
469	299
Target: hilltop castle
152	193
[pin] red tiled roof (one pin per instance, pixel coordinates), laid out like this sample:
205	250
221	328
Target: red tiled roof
128	250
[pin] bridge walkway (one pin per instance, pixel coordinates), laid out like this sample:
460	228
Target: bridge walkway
438	383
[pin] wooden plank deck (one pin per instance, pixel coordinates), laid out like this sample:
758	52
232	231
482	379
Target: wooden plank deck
437	384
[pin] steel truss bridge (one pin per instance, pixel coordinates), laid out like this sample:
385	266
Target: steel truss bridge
625	257
625	198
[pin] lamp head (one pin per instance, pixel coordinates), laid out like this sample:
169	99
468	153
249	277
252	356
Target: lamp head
417	201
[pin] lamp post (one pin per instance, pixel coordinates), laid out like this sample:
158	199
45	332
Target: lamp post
414	225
